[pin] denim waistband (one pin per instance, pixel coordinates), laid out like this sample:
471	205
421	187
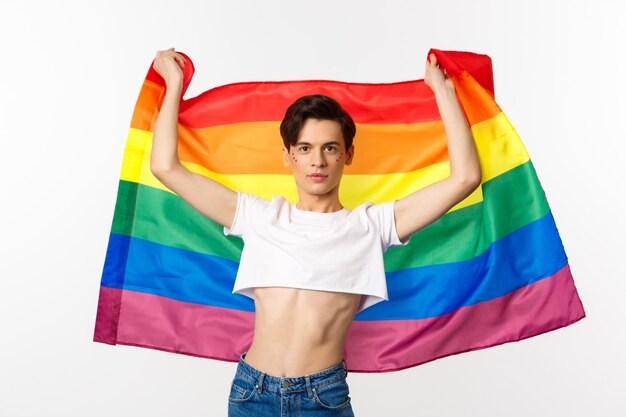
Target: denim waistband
290	384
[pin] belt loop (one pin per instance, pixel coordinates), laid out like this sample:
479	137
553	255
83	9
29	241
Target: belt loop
345	366
260	383
309	393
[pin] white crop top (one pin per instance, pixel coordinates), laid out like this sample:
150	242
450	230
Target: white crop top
340	251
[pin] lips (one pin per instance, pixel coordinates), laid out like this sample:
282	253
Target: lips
317	177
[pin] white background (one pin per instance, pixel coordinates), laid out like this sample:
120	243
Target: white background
70	73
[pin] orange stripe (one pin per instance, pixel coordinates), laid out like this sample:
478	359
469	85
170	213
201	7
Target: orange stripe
146	109
477	103
249	148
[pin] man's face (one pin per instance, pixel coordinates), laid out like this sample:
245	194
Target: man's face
320	149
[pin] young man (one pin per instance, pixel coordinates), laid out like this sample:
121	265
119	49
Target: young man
310	266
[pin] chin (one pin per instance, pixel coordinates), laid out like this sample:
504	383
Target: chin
322	191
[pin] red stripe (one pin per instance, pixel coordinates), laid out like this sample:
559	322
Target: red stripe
412	101
376	103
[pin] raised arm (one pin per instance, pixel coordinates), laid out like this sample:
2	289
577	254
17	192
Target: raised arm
421	208
209	197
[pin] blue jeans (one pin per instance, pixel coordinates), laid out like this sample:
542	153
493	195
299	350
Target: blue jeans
255	393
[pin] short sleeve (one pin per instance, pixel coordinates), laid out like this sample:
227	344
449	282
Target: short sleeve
383	215
248	208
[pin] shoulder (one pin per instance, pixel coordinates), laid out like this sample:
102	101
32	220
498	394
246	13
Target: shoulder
251	202
253	198
376	213
376	210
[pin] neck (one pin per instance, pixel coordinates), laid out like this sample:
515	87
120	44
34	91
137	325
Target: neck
326	203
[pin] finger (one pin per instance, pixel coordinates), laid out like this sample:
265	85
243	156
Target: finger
164	51
171	54
180	59
433	59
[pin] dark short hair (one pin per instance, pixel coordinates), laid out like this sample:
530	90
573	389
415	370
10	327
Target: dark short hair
315	106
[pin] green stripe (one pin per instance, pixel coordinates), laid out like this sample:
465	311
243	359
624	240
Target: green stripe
510	201
165	218
124	207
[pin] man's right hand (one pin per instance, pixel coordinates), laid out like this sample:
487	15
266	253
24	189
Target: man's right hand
168	65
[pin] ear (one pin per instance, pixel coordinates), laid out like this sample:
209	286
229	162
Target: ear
286	157
350	155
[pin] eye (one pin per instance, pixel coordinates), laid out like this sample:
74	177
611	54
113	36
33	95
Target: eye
304	148
331	147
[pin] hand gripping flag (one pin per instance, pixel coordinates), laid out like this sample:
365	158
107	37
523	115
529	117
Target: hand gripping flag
492	270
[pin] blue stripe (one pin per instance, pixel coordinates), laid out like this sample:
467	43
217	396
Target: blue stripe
527	255
115	261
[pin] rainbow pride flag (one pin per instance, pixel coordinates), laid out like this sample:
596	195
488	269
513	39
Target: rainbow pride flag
490	271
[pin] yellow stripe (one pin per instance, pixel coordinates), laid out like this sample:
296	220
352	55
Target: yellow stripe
499	147
138	145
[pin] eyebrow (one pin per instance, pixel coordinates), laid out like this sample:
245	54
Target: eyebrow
327	143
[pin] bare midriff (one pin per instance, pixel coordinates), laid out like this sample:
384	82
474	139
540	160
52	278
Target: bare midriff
297	331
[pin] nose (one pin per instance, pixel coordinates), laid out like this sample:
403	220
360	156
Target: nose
319	160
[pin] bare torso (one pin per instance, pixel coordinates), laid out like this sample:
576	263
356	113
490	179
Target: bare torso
298	331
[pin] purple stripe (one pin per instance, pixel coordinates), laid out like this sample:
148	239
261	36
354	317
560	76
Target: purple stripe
540	307
107	317
156	322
